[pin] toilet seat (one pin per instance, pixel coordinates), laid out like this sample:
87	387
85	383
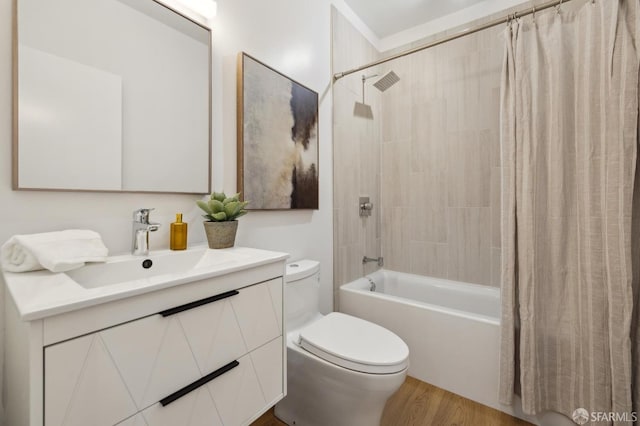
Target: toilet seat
355	344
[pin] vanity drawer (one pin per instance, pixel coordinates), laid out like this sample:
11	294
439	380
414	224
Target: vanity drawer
107	377
254	382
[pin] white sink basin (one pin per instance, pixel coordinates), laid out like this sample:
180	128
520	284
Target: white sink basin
159	265
41	294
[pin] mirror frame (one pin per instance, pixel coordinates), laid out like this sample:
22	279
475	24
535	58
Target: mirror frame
15	184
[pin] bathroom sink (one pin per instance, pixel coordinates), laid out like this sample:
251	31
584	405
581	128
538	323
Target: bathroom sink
40	294
160	265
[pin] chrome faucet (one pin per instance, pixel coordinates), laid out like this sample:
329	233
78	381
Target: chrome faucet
379	260
141	229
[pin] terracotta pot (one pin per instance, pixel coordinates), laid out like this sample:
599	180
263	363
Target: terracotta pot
221	234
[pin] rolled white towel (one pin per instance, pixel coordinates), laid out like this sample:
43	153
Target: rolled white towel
56	251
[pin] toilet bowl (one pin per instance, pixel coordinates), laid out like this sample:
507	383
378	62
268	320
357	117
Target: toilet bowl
340	369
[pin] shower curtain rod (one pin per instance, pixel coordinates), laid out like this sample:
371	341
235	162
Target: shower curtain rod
465	32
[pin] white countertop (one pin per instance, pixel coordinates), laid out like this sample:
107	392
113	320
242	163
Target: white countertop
41	294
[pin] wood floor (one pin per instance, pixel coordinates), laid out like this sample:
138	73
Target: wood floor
420	404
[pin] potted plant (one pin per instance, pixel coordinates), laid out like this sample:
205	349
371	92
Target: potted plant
221	214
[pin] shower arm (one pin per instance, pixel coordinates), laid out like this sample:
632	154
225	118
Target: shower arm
364	80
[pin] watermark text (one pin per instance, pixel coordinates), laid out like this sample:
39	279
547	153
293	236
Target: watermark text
581	416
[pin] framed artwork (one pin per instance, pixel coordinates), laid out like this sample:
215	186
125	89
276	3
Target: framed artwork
277	139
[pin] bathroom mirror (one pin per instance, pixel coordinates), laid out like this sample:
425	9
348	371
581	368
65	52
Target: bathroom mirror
110	95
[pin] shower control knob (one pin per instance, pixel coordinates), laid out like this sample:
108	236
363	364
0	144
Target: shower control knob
365	207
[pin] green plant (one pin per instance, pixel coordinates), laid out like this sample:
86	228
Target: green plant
220	208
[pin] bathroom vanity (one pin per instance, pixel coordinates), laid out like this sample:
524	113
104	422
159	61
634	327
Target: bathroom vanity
174	338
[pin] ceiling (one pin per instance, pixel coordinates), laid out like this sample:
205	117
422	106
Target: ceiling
385	17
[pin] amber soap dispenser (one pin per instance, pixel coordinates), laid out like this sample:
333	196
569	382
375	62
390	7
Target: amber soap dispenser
178	239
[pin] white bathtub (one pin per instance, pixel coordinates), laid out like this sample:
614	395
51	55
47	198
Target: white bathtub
452	329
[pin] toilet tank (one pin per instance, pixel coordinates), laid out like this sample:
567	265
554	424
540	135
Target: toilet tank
302	291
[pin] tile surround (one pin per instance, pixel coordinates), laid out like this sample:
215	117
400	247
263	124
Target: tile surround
356	150
430	160
449	172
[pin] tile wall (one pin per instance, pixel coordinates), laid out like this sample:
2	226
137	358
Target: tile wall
356	153
430	160
440	164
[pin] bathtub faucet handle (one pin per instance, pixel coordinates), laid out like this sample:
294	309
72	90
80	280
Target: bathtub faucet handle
379	260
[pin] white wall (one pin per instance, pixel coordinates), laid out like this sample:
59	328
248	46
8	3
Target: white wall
289	35
294	38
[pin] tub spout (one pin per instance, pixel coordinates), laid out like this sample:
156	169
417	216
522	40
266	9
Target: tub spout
379	260
372	285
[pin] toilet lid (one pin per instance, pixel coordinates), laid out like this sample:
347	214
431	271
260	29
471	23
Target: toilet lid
355	344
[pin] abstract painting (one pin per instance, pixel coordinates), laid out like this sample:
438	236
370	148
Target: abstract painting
277	139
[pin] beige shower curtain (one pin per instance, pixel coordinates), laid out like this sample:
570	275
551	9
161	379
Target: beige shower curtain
569	142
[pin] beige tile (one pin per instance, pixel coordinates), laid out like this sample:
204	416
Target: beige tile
377	207
356	148
370	235
368	163
395	178
404	68
351	49
422	72
354	263
395	238
428	213
340	265
488	76
485	139
343	146
353	83
346	175
469	245
370	268
396	112
454	92
469	171
337	213
351	264
428	140
495	211
496	267
372	247
494	127
349	226
341	133
337	260
428	259
343	102
496	160
471	109
336	299
347	196
372	223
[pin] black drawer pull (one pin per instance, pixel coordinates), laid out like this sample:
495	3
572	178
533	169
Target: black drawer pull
195	385
197	303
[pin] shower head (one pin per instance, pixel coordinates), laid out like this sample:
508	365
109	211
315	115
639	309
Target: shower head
363	110
388	80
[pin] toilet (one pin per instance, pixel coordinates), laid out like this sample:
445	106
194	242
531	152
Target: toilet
340	369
